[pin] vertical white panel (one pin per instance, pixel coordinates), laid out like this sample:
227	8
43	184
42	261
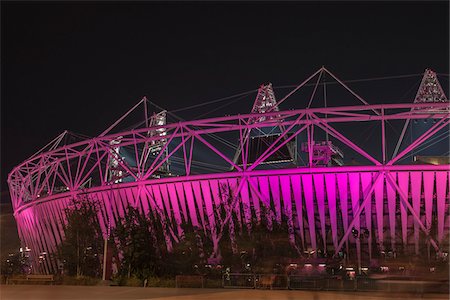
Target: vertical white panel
29	230
176	209
151	200
354	179
180	192
428	189
308	189
233	183
297	191
330	182
265	193
40	233
60	209
199	201
166	201
191	204
120	200
275	188
355	196
52	215
158	200
246	204
416	189
214	184
137	194
366	181
391	197
379	193
226	194
253	183
209	207
143	200
287	204
47	232
441	186
403	180
131	198
52	230
215	190
342	180
320	197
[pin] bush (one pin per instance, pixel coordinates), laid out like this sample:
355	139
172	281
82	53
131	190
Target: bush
81	280
160	282
214	283
133	281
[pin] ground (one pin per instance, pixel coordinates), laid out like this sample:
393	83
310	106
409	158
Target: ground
59	292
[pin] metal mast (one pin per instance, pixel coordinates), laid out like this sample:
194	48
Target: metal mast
156	146
430	91
265	101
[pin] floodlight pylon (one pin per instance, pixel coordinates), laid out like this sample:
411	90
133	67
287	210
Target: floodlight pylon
430	91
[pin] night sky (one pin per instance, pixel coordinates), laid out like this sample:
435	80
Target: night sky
80	66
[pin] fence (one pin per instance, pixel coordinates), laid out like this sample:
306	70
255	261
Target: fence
191	281
239	281
298	282
271	281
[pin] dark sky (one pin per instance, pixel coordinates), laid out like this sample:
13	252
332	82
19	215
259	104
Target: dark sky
79	66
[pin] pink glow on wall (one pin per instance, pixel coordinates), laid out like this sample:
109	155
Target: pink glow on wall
176	209
142	198
428	191
441	179
265	193
354	180
151	201
199	202
209	207
215	191
366	181
403	183
38	228
167	203
233	184
330	180
256	201
297	190
287	204
342	180
157	197
246	205
320	198
275	188
181	197
214	184
416	193
379	203
191	204
308	190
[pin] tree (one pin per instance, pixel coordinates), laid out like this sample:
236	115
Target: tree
139	242
15	264
83	243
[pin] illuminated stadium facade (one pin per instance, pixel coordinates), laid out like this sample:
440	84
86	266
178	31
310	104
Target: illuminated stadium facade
384	203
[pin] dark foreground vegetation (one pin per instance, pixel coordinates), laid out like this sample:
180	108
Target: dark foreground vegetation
144	250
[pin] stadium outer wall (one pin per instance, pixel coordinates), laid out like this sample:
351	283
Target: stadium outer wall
308	199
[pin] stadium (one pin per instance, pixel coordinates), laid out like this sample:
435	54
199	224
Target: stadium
338	196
